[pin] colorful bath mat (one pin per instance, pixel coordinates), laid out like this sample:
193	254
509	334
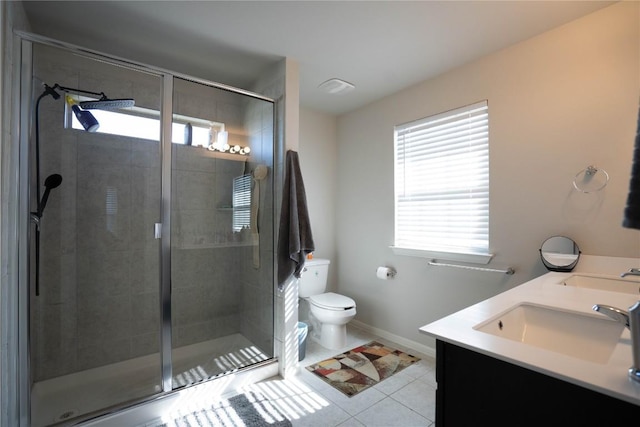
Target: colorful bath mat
362	367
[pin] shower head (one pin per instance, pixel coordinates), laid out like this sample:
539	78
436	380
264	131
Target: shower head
107	104
52	181
103	103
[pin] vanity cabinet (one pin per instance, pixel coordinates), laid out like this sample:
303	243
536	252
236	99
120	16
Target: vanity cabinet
478	390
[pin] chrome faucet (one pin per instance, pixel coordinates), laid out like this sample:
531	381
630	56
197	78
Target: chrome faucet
631	320
631	272
614	313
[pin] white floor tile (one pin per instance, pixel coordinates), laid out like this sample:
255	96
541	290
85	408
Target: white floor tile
330	415
420	368
394	383
390	413
355	404
430	379
418	396
351	422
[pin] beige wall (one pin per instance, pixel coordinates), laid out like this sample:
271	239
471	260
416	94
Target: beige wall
557	103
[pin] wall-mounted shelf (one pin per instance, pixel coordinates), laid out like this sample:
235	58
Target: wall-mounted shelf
215	154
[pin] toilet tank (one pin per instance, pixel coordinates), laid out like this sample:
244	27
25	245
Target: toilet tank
313	280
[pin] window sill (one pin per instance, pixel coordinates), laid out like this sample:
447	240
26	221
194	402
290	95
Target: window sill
447	256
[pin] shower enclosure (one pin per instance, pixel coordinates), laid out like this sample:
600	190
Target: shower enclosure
151	268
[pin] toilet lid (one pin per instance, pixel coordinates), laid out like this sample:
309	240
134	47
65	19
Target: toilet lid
332	301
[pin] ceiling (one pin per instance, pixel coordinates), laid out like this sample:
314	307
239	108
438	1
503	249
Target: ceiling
379	46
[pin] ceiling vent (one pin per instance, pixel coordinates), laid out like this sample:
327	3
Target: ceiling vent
336	86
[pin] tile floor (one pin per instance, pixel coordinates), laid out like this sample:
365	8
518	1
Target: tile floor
406	399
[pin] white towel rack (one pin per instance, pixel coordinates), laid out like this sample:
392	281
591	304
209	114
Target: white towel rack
468	267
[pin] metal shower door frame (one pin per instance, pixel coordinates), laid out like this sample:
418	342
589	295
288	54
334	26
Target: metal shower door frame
24	225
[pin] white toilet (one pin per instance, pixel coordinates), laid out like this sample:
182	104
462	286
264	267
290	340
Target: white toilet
332	310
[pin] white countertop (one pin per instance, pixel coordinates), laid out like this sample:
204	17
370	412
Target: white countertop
610	378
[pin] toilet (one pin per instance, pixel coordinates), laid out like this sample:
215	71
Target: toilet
332	310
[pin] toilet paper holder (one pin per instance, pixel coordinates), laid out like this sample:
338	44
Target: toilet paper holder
385	273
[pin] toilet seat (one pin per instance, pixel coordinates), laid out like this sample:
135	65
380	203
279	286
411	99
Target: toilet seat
332	301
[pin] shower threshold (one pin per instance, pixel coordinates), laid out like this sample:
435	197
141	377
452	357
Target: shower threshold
70	396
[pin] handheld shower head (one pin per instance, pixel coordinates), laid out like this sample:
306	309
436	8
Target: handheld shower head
260	172
51	182
107	104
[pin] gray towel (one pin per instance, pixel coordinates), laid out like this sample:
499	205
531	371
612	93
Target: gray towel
632	211
294	239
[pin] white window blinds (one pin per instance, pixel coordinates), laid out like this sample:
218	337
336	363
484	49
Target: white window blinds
442	182
241	200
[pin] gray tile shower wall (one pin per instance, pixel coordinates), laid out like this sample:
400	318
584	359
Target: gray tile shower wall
205	289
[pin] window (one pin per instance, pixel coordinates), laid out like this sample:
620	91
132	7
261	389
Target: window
442	184
144	123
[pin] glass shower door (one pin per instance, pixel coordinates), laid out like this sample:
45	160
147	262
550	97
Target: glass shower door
221	232
116	314
95	317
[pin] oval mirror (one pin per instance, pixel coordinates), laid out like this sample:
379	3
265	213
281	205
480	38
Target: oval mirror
559	253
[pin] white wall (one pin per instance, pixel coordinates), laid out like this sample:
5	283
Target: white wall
557	103
318	163
281	83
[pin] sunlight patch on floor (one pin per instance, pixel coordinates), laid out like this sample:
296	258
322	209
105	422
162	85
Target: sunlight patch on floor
272	401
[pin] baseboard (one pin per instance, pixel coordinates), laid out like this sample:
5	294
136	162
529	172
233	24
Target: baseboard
424	349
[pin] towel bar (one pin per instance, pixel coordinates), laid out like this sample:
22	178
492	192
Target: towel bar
467	267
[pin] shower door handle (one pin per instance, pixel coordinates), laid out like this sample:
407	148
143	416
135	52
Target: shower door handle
157	230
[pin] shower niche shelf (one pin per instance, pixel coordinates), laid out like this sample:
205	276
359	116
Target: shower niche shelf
215	245
216	240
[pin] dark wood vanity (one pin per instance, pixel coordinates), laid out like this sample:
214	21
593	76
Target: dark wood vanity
478	390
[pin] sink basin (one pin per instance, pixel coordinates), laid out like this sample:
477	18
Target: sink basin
584	336
613	284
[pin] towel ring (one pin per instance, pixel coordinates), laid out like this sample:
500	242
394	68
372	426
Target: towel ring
590	179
